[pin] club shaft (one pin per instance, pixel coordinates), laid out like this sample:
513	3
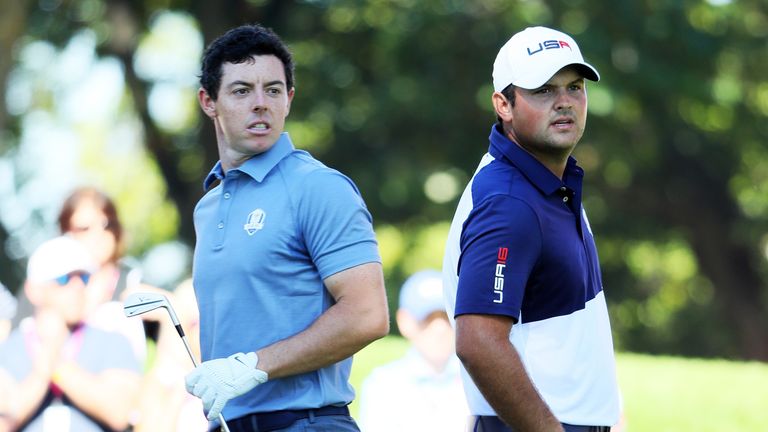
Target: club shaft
224	427
140	303
223	422
189	351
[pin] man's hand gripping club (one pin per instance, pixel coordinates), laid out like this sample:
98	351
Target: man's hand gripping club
217	381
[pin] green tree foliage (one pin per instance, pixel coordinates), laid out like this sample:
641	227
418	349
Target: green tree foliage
672	153
396	93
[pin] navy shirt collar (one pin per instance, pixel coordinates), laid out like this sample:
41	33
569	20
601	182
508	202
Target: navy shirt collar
540	176
257	166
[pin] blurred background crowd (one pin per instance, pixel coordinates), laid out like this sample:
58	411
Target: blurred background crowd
74	361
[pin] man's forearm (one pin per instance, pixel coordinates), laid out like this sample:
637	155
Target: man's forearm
107	396
30	393
358	317
337	334
495	367
507	387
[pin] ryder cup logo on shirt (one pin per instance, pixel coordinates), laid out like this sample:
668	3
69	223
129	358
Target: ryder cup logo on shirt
255	221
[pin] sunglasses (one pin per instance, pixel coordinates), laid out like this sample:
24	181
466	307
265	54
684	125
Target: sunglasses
63	280
95	227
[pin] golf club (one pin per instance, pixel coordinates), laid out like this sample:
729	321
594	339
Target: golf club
140	303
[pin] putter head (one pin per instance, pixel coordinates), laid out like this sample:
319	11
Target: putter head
139	303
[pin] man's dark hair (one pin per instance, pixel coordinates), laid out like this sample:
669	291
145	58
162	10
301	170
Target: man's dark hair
509	93
237	46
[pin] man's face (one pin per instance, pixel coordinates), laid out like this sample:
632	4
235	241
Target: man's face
249	114
66	297
549	121
88	225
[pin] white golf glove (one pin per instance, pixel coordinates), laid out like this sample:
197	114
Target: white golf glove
217	381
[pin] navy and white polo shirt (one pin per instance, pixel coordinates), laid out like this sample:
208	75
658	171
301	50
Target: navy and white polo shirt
520	245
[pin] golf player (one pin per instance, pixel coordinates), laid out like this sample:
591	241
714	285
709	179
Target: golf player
286	270
521	271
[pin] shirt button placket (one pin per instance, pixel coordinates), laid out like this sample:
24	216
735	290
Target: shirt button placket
229	185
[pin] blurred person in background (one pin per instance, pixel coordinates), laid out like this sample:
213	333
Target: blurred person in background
164	404
420	392
64	374
90	216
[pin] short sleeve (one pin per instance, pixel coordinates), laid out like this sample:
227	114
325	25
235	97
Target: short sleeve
335	223
500	244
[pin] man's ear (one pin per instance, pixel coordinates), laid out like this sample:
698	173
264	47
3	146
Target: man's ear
291	92
34	292
406	323
502	107
206	102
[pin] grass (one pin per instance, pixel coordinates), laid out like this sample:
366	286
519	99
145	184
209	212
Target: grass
660	393
678	394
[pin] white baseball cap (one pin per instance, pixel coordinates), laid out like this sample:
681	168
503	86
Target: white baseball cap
531	57
422	294
58	257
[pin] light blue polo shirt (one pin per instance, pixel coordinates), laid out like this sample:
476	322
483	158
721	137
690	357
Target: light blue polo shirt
267	237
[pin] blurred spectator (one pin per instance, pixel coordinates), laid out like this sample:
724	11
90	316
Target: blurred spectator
90	217
7	311
164	404
64	374
421	391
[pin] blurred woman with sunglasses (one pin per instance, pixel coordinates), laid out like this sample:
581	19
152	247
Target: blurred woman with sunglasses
89	216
